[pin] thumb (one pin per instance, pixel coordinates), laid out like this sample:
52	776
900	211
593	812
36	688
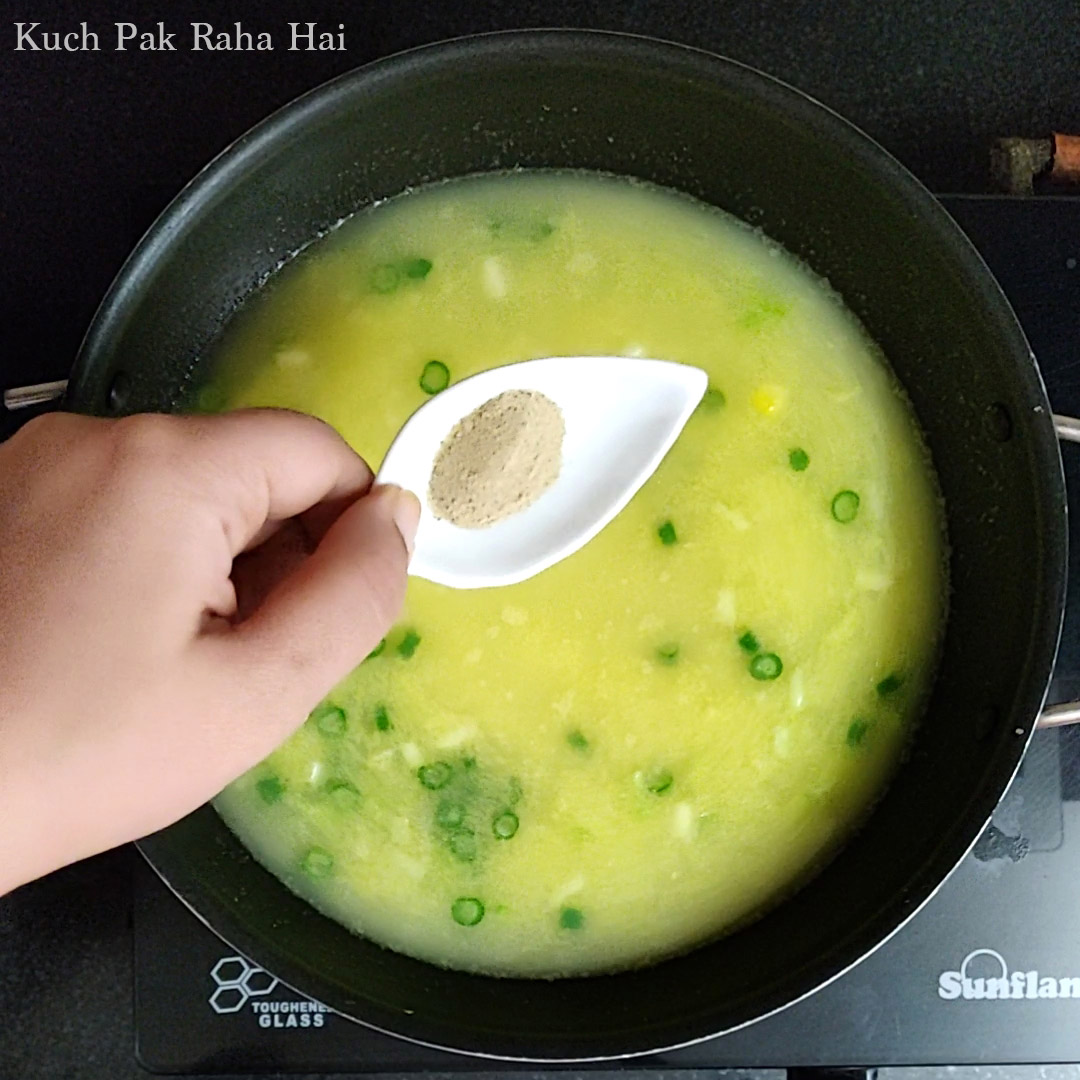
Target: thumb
321	620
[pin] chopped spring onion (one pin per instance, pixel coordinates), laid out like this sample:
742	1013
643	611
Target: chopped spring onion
667	654
385	278
416	269
467	911
330	719
343	793
434	377
749	643
515	791
658	781
798	459
317	862
667	534
845	507
766	666
436	775
408	644
571	918
382	719
713	398
463	844
515	228
761	311
577	740
890	684
505	825
450	815
378	649
856	732
270	789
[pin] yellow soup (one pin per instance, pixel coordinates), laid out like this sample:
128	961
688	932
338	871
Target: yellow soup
653	741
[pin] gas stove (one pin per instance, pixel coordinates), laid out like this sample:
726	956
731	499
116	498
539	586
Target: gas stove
987	972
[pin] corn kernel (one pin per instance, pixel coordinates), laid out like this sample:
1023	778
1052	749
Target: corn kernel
767	399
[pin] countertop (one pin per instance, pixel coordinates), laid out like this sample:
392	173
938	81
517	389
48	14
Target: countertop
95	144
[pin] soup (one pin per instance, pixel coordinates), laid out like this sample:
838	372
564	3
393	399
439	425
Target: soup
653	741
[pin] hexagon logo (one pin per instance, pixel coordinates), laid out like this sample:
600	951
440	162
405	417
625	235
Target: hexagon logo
236	980
227	999
258	982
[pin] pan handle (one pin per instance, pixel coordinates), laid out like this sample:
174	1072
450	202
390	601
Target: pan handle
1067	428
22	397
1068	712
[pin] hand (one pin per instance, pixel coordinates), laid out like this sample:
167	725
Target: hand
144	661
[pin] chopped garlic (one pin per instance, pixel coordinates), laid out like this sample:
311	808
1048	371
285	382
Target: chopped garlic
873	580
782	741
735	519
381	760
798	688
843	395
584	262
571	888
473	656
292	358
514	616
412	755
563	706
724	612
457	737
494	278
413	867
683	824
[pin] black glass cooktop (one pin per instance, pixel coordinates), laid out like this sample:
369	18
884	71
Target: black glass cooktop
1009	911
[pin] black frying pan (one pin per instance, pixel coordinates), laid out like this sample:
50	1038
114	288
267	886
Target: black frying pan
748	144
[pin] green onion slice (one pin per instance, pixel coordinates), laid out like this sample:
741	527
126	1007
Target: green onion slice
571	918
434	377
505	825
330	719
270	789
436	775
766	666
798	459
467	911
385	278
845	507
317	862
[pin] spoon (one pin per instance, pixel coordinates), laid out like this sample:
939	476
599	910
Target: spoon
622	415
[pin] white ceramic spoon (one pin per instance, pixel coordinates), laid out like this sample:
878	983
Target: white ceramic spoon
622	415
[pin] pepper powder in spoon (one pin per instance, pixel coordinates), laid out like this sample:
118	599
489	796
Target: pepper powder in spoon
498	460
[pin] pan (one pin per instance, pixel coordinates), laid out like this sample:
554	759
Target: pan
744	142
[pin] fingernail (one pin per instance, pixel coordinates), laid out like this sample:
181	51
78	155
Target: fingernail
406	515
